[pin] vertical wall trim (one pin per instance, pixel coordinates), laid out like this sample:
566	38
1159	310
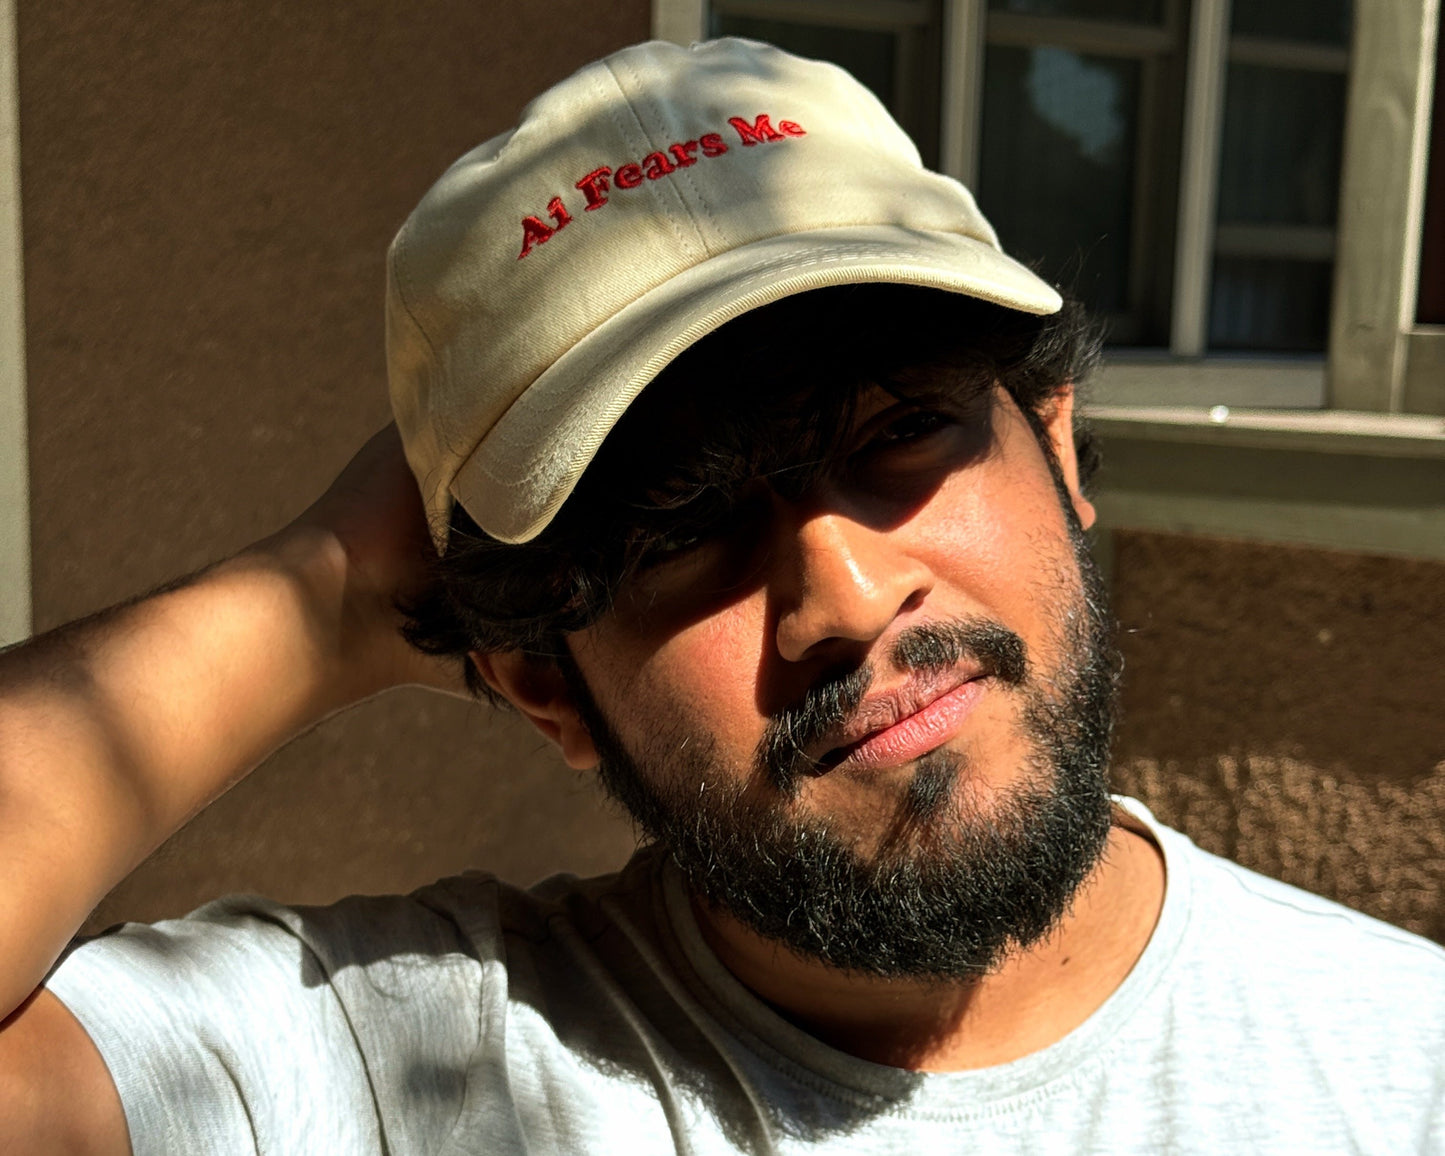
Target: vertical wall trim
15	600
1199	178
962	117
1387	144
681	21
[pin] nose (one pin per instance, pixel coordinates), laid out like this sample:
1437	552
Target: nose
836	579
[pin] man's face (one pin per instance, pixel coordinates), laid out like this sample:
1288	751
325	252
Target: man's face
871	722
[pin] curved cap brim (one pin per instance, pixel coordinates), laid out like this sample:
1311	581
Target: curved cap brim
528	464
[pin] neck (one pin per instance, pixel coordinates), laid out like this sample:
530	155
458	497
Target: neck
1035	998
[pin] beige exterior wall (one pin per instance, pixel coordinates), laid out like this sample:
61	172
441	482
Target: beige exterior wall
209	190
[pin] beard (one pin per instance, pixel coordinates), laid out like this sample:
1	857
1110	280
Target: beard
961	877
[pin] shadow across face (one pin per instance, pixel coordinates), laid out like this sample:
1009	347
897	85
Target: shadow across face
960	876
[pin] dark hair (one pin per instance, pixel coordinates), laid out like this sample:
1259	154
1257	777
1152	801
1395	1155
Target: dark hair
771	395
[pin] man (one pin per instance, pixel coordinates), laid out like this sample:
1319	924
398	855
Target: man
752	466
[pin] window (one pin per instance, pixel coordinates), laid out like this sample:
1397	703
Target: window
1239	186
892	46
1078	141
1279	175
1178	163
1087	112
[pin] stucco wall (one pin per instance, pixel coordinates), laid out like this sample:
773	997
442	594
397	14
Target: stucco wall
209	189
1283	706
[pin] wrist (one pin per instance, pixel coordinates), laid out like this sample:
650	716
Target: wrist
350	627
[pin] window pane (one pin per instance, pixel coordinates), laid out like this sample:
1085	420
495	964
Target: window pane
866	53
1056	171
1276	305
1280	157
1316	21
900	62
1141	11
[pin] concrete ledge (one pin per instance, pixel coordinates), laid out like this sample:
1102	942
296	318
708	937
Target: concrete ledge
1145	378
1367	483
1391	435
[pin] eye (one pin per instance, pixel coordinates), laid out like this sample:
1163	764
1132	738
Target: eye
712	537
912	427
677	542
912	447
674	545
907	437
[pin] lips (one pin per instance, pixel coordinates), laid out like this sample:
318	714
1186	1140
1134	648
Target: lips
905	723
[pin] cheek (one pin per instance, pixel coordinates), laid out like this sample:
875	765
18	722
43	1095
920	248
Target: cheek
703	678
715	660
999	530
1002	544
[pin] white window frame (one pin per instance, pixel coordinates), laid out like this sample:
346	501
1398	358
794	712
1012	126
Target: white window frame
1366	470
15	591
1390	75
1373	335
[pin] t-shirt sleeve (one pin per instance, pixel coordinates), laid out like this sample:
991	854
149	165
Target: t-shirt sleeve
252	1027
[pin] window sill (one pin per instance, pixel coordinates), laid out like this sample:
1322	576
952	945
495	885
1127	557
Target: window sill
1364	482
1388	435
1134	378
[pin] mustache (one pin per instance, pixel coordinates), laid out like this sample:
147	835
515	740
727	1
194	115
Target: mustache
932	647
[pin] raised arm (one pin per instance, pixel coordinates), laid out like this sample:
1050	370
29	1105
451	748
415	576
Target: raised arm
117	729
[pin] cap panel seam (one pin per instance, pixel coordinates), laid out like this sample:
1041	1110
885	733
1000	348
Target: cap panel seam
688	248
701	248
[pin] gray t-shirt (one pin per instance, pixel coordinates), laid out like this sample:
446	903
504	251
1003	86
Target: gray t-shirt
591	1017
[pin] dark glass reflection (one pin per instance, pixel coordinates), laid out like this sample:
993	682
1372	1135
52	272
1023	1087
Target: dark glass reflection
866	53
1315	21
1280	157
1267	304
1139	11
1057	165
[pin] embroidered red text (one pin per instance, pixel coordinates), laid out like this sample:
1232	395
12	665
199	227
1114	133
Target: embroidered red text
597	186
535	230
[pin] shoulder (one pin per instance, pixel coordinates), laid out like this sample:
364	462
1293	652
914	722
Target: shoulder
289	1022
358	947
1300	975
1297	1011
215	1031
1294	967
1277	927
1267	924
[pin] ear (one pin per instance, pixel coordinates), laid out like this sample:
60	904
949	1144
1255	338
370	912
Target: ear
535	686
1059	423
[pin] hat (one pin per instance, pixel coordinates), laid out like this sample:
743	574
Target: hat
643	202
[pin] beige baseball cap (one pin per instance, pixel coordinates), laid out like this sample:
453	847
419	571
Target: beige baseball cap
643	202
